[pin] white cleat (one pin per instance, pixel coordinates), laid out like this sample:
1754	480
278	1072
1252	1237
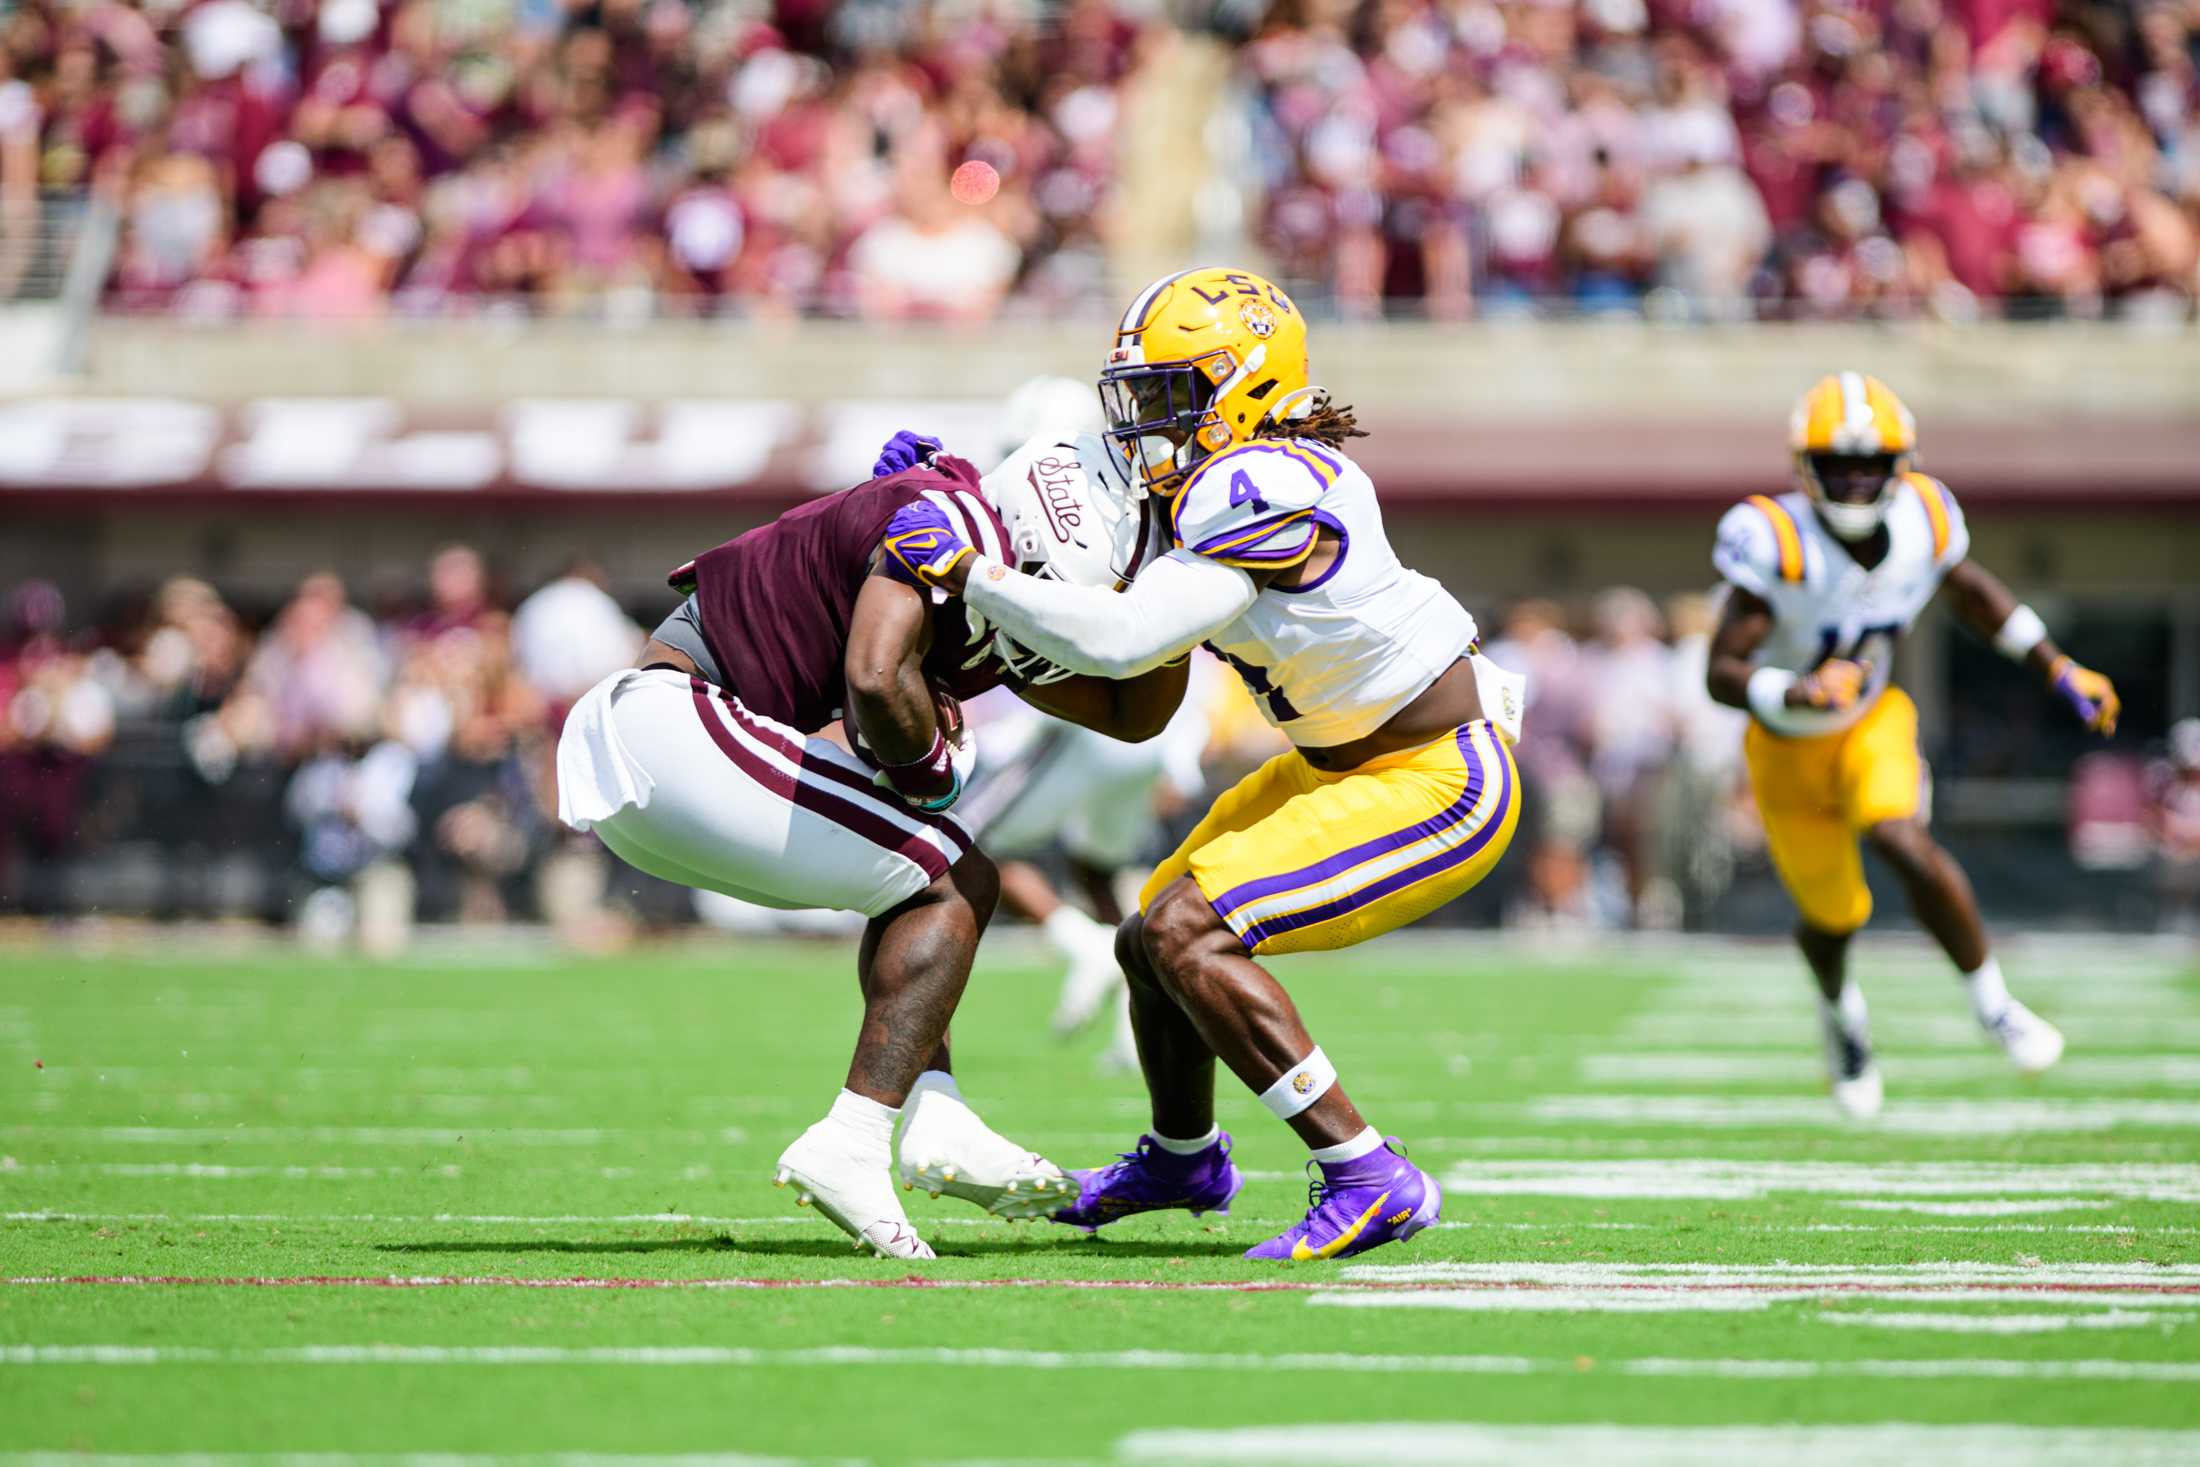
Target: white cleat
1851	1073
946	1148
2032	1044
1859	1096
854	1191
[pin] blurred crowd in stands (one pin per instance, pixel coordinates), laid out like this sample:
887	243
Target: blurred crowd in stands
384	764
352	772
339	158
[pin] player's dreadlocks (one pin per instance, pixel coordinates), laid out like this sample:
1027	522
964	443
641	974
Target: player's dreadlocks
1325	423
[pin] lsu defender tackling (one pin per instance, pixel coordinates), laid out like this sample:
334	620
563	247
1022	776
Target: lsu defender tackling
1400	792
1824	581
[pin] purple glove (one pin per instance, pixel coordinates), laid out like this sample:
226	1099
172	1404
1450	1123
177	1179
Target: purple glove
905	450
921	545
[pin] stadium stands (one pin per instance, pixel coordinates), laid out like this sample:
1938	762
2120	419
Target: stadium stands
1835	158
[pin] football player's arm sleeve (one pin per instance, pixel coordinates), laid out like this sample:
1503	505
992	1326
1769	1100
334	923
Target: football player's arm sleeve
1746	552
1175	604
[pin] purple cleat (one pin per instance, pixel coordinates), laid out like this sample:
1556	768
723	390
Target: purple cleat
1357	1205
1152	1180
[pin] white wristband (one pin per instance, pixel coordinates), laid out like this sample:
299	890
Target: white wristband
1768	687
2020	634
1768	690
1303	1084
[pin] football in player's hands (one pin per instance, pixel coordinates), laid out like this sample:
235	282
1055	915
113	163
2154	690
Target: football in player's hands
1833	685
947	713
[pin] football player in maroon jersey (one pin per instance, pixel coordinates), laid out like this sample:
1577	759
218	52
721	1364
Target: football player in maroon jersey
704	765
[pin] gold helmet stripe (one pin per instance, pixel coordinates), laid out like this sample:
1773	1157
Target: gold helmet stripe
1821	415
1936	509
1890	416
1784	531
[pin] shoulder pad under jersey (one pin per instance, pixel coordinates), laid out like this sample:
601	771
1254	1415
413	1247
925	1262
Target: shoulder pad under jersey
1943	517
1759	546
1254	505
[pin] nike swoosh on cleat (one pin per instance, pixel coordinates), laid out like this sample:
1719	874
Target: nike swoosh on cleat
1300	1253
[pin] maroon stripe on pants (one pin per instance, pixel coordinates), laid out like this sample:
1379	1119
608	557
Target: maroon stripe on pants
763	733
870	826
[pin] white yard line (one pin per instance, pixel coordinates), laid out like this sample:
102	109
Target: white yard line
1908	1116
1733	1180
383	1135
1553	1226
629	1219
300	1172
2006	1208
2161	1372
2006	1324
1764	1030
220	1172
864	1356
520	1219
1801	1067
2129	1229
418	1459
1954	1273
1652	1300
1448	1444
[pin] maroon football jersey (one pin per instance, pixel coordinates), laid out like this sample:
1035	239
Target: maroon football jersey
775	602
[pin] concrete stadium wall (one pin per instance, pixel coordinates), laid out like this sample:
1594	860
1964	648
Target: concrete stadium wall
1608	402
1489	557
1477	373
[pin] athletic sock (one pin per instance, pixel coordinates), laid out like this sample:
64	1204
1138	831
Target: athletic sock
1071	932
1989	994
1192	1147
1848	1010
867	1122
1359	1159
938	1080
934	1096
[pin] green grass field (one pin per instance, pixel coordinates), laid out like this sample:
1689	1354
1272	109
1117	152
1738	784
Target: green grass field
270	1204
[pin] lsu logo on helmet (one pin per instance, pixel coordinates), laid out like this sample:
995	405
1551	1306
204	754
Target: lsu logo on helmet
1202	359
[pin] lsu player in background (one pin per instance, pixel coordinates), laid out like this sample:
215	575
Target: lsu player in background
1824	581
1399	793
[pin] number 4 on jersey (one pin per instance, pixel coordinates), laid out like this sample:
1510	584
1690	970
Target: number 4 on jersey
1242	491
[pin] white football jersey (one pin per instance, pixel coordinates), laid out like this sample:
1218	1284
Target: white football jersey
1329	661
1823	603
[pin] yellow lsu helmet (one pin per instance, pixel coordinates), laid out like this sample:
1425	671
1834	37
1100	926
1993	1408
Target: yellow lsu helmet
1852	439
1201	360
